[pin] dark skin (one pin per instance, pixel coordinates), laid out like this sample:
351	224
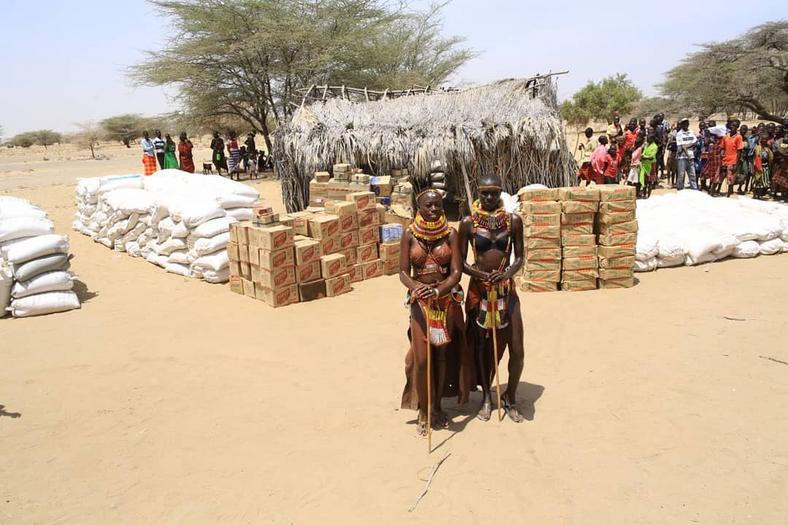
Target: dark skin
490	267
426	287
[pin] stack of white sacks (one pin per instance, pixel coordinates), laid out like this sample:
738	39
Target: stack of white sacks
179	221
34	262
690	227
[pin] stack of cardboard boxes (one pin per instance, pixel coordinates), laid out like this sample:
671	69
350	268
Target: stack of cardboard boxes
579	267
541	213
616	228
578	238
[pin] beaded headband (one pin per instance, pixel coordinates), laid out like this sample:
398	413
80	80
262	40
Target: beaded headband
425	191
491	187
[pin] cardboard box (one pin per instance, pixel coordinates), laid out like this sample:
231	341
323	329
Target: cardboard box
254	256
543	194
307	251
312	290
579	286
265	218
578	229
368	217
372	269
363	199
543	254
389	251
579	275
338	285
615	192
322	176
539	243
541	275
577	193
246	271
275	279
329	245
332	265
616	206
541	265
540	208
545	232
391	266
348	222
341	208
277	298
617	239
350	256
569	219
235	268
579	206
248	287
390	232
367	253
579	251
398	214
615	273
236	285
622	250
232	251
627	282
243	253
542	220
368	235
621	227
323	226
341	168
576	239
580	263
317	189
382	186
355	272
381	213
626	262
270	237
287	220
617	217
307	272
233	233
241	235
301	222
272	260
528	286
348	240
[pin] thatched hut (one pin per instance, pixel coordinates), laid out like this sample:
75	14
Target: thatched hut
511	127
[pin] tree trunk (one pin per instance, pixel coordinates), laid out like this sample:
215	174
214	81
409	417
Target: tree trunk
762	112
91	152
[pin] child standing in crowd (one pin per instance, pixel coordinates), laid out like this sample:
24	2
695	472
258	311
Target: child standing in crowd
762	160
633	178
648	165
610	173
712	170
731	145
598	160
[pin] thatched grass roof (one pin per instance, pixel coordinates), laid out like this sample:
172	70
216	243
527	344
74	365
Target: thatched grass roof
512	127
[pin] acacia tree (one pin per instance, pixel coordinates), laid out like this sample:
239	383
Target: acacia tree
46	137
749	72
247	59
614	95
88	136
124	128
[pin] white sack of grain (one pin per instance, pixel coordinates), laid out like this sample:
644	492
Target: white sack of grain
45	282
44	303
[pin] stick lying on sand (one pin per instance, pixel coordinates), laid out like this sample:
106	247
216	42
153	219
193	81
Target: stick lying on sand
429	482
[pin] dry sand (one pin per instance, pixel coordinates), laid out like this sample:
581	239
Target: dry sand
168	400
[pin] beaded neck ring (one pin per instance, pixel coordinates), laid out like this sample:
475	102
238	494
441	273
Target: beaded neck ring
497	219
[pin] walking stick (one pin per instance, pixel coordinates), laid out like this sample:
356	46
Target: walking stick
429	379
493	298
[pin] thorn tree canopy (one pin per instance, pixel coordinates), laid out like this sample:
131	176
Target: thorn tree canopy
247	58
614	95
749	72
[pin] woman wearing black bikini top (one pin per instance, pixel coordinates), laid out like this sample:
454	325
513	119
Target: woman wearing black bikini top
494	234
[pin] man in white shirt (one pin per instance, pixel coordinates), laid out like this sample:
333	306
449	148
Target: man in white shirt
158	144
685	155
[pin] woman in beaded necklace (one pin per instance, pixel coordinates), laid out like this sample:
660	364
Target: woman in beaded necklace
431	269
492	306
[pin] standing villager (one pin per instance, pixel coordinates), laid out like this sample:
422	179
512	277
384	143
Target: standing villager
610	173
493	307
712	168
598	160
586	149
685	155
750	140
159	144
763	159
630	137
779	168
731	144
661	132
148	154
234	155
700	148
430	268
218	158
251	147
615	129
648	161
633	178
170	161
671	164
185	157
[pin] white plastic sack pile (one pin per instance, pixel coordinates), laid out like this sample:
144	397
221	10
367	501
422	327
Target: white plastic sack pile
176	220
690	227
34	262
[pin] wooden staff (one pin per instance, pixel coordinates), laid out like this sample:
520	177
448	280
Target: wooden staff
429	378
494	301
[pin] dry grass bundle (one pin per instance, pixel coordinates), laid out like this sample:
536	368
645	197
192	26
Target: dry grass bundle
507	127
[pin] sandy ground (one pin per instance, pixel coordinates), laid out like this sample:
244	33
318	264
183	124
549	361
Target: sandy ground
168	400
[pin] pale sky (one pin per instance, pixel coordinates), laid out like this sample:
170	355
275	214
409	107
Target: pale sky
65	62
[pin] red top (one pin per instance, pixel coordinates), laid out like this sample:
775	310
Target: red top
629	139
731	146
611	167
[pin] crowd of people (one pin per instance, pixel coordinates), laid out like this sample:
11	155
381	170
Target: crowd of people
748	160
244	159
